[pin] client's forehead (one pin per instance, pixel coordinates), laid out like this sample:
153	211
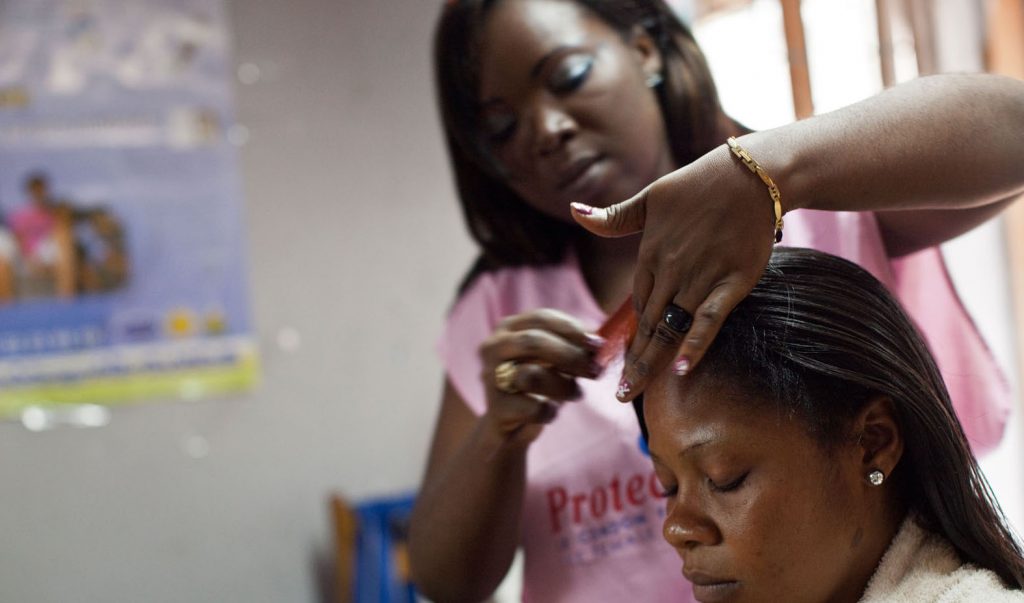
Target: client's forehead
679	410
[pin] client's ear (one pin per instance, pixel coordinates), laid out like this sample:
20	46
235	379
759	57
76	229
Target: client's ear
879	438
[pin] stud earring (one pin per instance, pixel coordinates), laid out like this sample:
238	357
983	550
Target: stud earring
876	477
654	80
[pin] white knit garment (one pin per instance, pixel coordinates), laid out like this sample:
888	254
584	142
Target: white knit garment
922	567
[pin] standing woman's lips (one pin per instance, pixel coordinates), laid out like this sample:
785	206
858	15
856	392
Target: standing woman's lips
575	170
709	589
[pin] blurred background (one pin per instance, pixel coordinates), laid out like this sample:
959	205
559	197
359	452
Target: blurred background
286	241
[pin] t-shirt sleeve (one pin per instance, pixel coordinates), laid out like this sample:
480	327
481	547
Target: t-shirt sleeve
471	320
977	387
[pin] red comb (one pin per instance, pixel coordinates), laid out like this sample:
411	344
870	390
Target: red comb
618	330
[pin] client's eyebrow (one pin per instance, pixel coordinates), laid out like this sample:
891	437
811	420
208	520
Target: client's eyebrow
704	437
708	436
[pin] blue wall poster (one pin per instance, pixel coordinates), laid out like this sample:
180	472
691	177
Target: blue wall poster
122	272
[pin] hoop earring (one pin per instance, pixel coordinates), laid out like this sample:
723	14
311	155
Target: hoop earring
654	80
876	477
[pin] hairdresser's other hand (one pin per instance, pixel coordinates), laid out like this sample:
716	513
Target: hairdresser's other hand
707	235
550	350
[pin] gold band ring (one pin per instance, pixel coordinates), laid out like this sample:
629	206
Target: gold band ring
505	377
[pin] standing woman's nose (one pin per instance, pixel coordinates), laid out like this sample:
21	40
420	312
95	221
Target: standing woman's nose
552	126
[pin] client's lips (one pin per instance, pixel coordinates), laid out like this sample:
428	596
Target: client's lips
712	589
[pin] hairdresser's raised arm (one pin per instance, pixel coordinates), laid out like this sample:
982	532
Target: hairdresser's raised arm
933	158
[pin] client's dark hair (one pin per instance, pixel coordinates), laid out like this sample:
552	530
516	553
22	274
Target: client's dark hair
819	337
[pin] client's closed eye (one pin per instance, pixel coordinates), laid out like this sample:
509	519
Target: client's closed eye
730	485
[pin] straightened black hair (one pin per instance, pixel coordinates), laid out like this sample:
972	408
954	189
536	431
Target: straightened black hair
819	337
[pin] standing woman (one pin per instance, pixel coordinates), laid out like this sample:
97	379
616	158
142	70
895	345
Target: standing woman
552	102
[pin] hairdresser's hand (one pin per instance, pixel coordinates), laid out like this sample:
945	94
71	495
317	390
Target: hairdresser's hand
549	349
707	236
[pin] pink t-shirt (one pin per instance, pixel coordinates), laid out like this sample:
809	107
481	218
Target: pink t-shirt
592	518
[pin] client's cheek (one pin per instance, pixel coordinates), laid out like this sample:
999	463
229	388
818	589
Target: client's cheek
757	537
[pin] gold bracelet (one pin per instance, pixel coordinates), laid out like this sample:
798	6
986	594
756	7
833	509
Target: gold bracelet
773	190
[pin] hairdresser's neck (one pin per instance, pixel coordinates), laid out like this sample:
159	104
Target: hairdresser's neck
607	266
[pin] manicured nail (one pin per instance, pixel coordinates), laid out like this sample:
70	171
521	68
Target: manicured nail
624	388
595	369
596	341
584	210
682	366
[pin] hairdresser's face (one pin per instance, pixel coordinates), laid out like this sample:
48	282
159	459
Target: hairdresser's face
756	509
566	107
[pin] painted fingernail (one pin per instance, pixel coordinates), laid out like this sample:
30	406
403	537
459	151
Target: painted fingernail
681	367
595	369
595	341
582	209
624	388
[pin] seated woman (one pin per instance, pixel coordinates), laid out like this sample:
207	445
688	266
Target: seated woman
814	455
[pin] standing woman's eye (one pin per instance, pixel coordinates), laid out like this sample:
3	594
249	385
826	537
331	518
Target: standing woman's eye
499	127
571	73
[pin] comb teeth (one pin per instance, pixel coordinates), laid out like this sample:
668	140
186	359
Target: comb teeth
618	331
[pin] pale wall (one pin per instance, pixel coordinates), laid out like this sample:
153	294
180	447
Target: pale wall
355	243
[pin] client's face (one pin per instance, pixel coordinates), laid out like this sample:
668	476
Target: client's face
756	508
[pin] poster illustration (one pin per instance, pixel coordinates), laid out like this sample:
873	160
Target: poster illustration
122	272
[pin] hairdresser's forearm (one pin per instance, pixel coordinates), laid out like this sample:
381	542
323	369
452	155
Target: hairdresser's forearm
941	142
465	527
